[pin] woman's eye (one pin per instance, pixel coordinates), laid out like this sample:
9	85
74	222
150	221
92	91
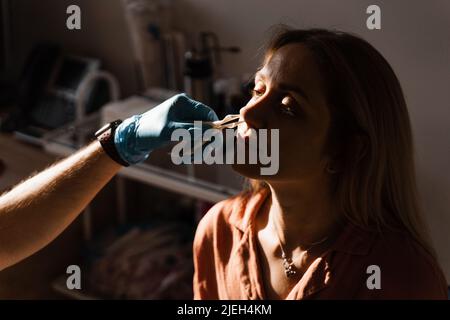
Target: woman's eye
287	106
258	89
257	93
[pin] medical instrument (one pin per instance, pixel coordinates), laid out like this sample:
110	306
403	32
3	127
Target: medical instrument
228	122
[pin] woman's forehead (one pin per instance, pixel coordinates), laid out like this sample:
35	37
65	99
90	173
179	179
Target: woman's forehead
289	63
292	65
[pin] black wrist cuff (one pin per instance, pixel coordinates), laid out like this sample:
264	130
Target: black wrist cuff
106	138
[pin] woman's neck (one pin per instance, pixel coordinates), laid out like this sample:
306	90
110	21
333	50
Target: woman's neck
301	213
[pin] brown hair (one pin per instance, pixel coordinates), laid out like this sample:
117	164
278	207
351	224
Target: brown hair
370	140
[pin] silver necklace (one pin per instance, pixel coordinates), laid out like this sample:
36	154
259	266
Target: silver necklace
288	263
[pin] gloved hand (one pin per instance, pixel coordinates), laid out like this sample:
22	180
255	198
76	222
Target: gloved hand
139	135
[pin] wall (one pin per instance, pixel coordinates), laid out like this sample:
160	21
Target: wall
415	39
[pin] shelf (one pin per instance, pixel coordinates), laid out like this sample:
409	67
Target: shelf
178	183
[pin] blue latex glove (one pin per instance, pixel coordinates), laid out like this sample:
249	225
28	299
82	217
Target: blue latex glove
139	135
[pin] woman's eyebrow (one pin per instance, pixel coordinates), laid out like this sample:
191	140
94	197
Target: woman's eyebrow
294	88
286	86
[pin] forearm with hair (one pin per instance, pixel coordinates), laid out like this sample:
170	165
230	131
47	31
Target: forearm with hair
36	211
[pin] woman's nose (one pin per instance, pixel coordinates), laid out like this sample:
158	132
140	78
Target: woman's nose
255	113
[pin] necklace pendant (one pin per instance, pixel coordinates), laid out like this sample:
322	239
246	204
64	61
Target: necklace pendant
288	266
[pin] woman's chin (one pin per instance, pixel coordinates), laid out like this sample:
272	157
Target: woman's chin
252	171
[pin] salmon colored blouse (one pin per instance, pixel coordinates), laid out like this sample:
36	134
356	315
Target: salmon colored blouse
227	267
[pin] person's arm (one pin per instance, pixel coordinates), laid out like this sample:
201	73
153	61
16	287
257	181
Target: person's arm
36	211
39	209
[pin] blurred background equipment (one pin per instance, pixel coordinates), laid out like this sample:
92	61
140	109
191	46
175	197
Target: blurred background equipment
167	58
147	21
203	70
56	89
59	98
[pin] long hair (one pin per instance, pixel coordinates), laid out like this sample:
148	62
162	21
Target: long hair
370	142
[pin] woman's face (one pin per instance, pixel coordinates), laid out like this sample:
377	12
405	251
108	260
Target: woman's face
288	96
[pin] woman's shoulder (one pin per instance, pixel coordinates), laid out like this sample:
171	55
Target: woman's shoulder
220	212
223	215
230	215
